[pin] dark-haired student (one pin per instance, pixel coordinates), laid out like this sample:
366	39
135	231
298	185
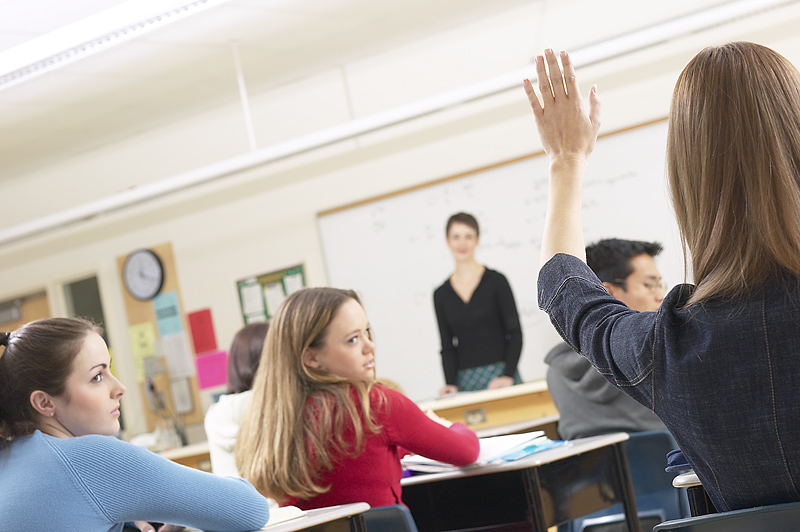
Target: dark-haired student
720	360
477	316
61	468
223	417
587	403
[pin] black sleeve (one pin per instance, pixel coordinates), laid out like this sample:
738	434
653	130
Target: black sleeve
449	363
510	322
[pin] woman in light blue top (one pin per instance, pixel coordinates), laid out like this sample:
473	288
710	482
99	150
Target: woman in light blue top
61	467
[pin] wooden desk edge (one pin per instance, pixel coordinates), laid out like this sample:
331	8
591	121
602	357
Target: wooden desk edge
187	451
483	396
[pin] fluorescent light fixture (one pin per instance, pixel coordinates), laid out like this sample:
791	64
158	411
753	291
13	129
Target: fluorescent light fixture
91	35
615	47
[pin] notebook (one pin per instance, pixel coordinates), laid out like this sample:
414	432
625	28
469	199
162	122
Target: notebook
494	449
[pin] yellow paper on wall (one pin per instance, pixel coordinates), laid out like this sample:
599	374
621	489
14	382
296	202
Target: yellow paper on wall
143	340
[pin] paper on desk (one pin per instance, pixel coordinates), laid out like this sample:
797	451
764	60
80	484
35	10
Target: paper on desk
284	513
492	449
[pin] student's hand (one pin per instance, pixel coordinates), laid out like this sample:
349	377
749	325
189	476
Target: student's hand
440	420
447	389
144	526
567	130
500	382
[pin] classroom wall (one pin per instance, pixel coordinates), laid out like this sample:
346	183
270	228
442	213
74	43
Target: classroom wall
265	218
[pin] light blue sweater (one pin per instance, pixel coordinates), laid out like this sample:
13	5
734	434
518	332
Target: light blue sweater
97	483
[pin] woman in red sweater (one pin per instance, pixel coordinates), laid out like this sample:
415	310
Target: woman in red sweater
320	431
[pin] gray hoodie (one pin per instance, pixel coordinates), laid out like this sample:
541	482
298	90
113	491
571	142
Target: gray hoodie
587	403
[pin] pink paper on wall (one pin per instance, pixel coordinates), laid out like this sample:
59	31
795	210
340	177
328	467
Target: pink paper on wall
202	328
212	369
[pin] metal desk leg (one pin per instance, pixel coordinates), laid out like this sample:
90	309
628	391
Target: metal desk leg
626	488
357	523
534	491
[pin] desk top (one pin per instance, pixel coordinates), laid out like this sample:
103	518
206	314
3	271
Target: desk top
177	453
313	518
572	448
318	516
470	398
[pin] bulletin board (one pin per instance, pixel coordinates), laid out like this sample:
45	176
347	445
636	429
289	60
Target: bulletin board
261	295
162	350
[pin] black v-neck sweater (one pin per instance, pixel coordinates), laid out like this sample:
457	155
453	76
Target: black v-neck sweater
483	331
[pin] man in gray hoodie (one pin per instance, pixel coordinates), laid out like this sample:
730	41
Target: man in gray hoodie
589	405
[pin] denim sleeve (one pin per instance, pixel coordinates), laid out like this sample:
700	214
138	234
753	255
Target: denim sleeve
618	341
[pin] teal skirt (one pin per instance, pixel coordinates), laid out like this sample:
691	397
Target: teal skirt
477	378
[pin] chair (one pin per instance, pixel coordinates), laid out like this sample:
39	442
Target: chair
394	518
699	501
656	499
778	517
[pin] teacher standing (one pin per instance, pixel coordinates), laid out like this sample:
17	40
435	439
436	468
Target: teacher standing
478	320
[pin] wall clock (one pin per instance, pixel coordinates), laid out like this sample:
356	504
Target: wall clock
143	274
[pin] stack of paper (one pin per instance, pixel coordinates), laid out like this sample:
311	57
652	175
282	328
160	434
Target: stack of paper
495	449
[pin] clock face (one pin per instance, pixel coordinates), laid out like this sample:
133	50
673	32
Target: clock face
143	274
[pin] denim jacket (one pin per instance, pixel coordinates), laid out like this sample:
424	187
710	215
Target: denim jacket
723	376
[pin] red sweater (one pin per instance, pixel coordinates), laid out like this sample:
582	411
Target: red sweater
374	475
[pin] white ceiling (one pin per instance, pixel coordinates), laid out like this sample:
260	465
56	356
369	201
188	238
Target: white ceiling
188	66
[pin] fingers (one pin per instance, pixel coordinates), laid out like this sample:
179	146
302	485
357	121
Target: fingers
551	81
166	527
569	76
532	98
144	526
594	108
544	82
556	82
556	79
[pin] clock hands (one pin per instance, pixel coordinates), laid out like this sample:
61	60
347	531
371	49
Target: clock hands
146	277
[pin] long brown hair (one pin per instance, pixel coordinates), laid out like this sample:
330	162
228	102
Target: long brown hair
38	356
733	163
292	429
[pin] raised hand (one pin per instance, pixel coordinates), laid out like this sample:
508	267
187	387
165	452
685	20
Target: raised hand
566	128
568	132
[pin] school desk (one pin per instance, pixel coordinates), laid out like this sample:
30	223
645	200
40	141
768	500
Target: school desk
531	494
342	518
504	406
196	456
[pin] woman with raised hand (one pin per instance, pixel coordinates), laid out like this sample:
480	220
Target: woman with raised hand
319	430
719	362
61	468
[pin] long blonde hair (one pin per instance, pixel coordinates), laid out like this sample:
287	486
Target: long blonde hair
733	159
292	430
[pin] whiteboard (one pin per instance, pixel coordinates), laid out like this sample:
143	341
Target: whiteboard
392	251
